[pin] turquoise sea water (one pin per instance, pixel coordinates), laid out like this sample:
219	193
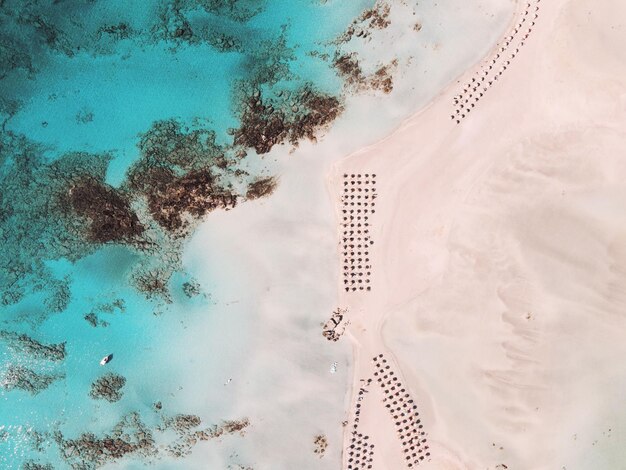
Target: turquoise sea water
93	76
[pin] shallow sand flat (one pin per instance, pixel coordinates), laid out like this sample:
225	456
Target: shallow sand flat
500	257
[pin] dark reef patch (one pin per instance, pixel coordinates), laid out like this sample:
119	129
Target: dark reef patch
36	222
167	145
197	193
32	465
23	378
221	24
108	212
191	288
27	345
261	187
177	174
117	31
108	387
348	67
154	283
288	117
129	437
382	79
185	426
132	437
111	308
319	111
373	18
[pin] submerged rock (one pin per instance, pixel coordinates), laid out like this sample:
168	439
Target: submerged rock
348	67
182	422
27	345
108	387
129	437
22	378
266	124
261	187
153	284
373	18
107	210
92	319
110	308
32	465
191	289
196	193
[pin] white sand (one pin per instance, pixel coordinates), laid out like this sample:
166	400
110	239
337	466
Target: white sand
499	280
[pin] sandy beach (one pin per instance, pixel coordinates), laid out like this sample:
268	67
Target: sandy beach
497	264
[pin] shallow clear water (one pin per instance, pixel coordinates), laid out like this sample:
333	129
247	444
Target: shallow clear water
93	76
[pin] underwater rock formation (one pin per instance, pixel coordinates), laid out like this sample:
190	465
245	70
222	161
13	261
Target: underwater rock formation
177	174
132	437
108	387
348	67
170	145
27	345
154	283
265	123
129	437
23	378
39	441
231	427
58	294
36	223
32	465
197	193
189	20
382	79
107	210
182	423
185	427
93	318
261	187
376	17
191	289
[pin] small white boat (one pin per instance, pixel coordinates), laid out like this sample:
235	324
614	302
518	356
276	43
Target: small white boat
333	368
106	359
